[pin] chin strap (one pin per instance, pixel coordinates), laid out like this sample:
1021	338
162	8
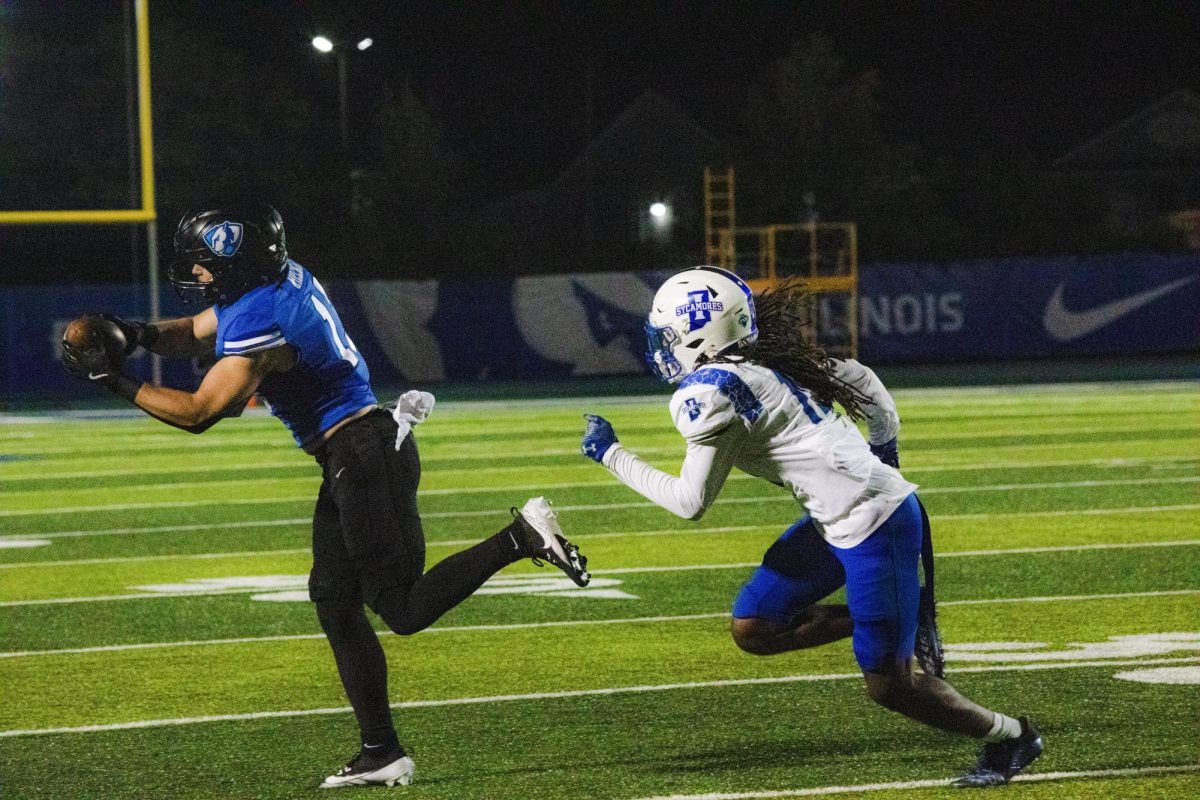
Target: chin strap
411	408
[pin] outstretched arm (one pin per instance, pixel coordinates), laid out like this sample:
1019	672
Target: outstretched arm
186	337
705	468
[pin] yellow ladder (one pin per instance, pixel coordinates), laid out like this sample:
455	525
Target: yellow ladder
719	218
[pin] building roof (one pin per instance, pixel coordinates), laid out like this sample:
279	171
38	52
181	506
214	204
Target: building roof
1164	135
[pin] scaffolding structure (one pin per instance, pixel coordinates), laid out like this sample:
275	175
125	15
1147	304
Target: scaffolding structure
822	255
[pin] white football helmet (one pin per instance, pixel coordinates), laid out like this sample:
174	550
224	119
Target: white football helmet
697	315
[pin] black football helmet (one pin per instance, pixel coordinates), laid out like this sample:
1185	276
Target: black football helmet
242	246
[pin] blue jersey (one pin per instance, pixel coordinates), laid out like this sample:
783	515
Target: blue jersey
330	380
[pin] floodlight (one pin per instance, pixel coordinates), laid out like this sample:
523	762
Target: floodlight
322	44
363	44
658	210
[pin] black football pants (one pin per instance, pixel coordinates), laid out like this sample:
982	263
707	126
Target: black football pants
368	548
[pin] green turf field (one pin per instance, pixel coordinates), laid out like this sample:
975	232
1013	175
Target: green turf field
154	641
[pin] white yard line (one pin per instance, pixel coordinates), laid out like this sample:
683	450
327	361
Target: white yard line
49	601
1084	512
163	444
601	692
1102	463
512	626
272	523
1097	463
998	487
1035	777
1066	548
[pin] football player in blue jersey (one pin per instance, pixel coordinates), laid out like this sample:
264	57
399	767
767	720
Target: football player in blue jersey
275	333
753	391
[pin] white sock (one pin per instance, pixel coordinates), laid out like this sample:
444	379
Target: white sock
1003	728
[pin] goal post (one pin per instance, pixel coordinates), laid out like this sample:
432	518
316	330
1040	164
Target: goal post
110	216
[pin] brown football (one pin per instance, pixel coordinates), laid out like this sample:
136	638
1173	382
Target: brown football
92	332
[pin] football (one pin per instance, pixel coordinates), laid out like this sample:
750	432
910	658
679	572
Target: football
93	332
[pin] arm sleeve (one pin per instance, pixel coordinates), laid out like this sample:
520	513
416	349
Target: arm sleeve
705	468
251	331
883	422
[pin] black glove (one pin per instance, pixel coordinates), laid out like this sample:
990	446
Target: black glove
888	453
136	333
94	366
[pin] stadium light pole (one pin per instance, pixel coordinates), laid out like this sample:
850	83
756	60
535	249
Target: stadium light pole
323	44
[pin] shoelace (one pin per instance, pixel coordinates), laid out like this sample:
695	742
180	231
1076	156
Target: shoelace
517	515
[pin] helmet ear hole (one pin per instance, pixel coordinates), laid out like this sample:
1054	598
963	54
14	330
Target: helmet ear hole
694	343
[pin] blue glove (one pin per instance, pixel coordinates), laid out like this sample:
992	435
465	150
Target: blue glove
597	438
888	453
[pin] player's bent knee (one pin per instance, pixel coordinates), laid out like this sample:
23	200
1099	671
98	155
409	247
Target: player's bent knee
337	618
892	690
397	619
752	635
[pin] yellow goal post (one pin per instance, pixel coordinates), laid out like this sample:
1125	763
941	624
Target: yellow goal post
108	216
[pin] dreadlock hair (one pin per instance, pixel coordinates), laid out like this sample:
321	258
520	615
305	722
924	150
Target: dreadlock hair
787	345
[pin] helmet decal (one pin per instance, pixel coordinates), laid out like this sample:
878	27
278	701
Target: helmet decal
698	315
224	238
699	308
241	246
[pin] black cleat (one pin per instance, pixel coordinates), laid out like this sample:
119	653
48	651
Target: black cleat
929	640
999	761
541	539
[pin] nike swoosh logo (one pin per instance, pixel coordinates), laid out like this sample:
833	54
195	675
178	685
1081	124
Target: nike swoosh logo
1066	326
94	377
338	474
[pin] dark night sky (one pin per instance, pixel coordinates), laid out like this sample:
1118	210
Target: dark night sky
512	84
970	76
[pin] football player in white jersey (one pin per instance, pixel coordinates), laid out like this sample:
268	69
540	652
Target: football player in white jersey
755	393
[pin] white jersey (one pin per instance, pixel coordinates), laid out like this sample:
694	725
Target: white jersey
748	416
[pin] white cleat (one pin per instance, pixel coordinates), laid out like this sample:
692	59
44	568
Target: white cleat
544	541
363	770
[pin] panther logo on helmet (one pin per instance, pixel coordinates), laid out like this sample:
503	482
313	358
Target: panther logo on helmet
224	238
240	246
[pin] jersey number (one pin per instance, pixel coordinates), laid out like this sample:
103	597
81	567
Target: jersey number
348	351
812	409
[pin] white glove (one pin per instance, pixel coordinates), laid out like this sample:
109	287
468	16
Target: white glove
412	408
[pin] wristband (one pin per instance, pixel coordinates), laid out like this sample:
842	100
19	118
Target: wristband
124	386
147	335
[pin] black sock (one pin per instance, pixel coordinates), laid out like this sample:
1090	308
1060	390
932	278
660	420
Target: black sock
453	579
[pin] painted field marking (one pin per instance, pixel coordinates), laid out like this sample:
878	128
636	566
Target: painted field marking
21	542
1035	777
617	571
286	444
296	521
561	695
999	487
1065	548
1171	462
290	637
1099	463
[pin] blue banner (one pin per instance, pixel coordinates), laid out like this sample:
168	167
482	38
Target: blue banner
33	323
579	325
1037	308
